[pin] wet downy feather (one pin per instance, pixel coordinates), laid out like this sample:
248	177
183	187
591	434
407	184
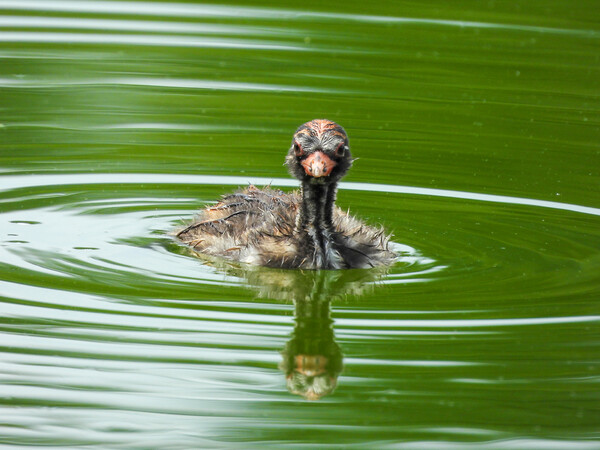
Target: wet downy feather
302	229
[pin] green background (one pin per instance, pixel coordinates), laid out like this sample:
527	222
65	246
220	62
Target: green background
476	125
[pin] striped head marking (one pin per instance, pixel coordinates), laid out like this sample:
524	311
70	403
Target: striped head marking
318	128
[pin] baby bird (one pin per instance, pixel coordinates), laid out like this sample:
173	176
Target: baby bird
300	230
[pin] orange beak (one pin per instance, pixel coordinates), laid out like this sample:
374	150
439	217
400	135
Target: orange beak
318	164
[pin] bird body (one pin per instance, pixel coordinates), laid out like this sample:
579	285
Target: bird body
303	229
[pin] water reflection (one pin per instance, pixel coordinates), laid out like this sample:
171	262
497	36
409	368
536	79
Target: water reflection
312	360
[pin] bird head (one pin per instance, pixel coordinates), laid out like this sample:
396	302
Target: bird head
320	152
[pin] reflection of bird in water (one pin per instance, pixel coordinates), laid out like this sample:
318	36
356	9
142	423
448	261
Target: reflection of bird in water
299	230
312	361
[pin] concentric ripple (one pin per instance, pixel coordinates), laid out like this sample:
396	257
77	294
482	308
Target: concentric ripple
508	241
93	284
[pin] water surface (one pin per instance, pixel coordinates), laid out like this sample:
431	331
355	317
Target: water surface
477	130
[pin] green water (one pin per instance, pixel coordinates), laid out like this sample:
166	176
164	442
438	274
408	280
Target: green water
477	129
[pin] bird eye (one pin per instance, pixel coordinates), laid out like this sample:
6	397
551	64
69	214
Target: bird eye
298	151
340	150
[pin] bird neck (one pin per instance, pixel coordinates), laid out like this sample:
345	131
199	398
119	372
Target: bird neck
316	209
315	220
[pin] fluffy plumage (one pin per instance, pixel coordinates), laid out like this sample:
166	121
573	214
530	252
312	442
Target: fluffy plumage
303	229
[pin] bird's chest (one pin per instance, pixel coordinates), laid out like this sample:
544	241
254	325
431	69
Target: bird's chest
320	248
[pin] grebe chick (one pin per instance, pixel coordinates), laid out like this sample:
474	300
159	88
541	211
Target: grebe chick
300	230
